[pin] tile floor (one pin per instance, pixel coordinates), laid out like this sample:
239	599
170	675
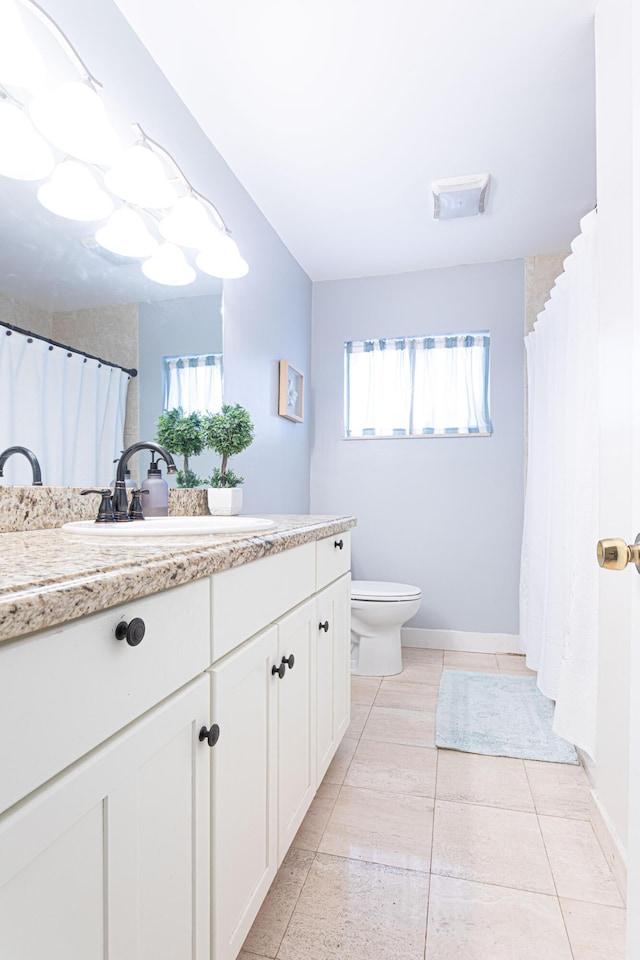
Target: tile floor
414	853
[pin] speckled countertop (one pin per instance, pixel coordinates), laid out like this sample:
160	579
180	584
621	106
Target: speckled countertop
48	577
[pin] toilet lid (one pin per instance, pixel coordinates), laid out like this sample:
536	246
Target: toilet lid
381	590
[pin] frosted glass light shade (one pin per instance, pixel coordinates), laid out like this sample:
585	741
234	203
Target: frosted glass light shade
126	234
21	63
74	119
137	177
24	154
168	266
222	259
187	224
72	192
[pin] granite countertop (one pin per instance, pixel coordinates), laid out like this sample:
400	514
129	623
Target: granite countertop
48	577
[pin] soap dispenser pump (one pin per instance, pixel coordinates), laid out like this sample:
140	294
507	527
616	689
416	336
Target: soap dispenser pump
157	503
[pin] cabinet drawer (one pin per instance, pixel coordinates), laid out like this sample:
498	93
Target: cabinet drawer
246	599
64	691
332	560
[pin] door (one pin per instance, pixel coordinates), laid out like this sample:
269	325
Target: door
296	721
112	859
333	686
244	696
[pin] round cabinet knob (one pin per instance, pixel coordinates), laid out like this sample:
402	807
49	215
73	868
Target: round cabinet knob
212	735
132	632
615	554
324	626
279	670
290	660
339	544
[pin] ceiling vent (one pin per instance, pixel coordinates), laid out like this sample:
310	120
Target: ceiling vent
459	196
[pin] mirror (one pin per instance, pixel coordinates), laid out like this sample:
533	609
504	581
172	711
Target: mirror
56	282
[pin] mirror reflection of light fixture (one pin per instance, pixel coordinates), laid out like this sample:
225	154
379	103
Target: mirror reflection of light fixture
24	154
137	176
168	266
74	119
222	259
21	63
187	224
73	192
126	234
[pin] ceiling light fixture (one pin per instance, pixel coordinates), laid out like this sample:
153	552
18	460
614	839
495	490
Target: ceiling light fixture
222	259
168	266
187	224
137	177
73	192
460	196
21	63
24	154
74	119
126	234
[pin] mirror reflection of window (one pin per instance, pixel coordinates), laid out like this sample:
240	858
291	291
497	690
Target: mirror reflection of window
193	383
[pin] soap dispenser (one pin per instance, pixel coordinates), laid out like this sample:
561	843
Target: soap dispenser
157	503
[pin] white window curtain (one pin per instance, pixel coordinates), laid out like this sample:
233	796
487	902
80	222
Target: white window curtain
193	383
417	386
559	585
65	407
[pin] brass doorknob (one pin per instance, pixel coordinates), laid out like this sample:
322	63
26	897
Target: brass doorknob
615	554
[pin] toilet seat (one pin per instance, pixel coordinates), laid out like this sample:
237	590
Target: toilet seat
383	591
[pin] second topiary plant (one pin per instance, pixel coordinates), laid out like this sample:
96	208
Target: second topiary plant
228	432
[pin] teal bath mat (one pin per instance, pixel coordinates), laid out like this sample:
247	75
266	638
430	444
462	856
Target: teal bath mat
498	715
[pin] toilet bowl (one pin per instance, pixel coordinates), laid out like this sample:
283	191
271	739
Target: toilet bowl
378	611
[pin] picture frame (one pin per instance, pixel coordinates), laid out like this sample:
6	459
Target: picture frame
291	397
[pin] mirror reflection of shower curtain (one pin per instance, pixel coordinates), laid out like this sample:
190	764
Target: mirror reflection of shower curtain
65	407
559	575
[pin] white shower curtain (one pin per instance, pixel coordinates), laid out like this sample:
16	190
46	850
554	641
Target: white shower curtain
65	407
559	582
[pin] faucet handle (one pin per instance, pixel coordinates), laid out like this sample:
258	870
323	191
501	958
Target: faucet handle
105	510
135	510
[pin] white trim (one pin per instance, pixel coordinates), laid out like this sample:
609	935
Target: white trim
418	436
610	842
460	640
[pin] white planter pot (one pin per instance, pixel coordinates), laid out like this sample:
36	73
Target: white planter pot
224	501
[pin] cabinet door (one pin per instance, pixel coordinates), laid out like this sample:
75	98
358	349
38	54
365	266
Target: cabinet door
296	722
333	649
111	860
244	694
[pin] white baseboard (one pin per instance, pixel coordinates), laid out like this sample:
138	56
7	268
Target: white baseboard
609	840
460	640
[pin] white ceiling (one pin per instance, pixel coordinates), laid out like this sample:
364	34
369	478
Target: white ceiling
335	115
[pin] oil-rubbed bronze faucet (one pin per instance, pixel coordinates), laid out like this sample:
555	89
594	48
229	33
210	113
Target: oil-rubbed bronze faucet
120	503
31	457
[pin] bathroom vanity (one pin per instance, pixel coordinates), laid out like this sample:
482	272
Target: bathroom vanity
167	713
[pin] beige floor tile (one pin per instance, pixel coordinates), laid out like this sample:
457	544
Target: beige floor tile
512	663
364	689
455	660
269	927
422	654
577	862
312	827
479	922
418	670
401	726
359	714
393	768
340	764
408	696
380	827
490	845
559	790
245	955
492	781
595	932
358	911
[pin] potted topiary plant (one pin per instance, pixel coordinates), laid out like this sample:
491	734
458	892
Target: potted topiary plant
182	434
228	433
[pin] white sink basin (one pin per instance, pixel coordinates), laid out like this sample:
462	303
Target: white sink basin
169	527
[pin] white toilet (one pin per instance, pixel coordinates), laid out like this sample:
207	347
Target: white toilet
378	610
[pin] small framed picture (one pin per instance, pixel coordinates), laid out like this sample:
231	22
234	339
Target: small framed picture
291	403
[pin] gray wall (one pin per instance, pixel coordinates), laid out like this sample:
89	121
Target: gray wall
267	313
442	513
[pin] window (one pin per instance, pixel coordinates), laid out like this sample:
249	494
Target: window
417	386
193	383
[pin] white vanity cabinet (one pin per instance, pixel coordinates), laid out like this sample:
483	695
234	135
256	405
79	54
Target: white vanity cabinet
111	860
332	670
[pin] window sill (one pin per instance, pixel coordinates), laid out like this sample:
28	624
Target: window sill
423	436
